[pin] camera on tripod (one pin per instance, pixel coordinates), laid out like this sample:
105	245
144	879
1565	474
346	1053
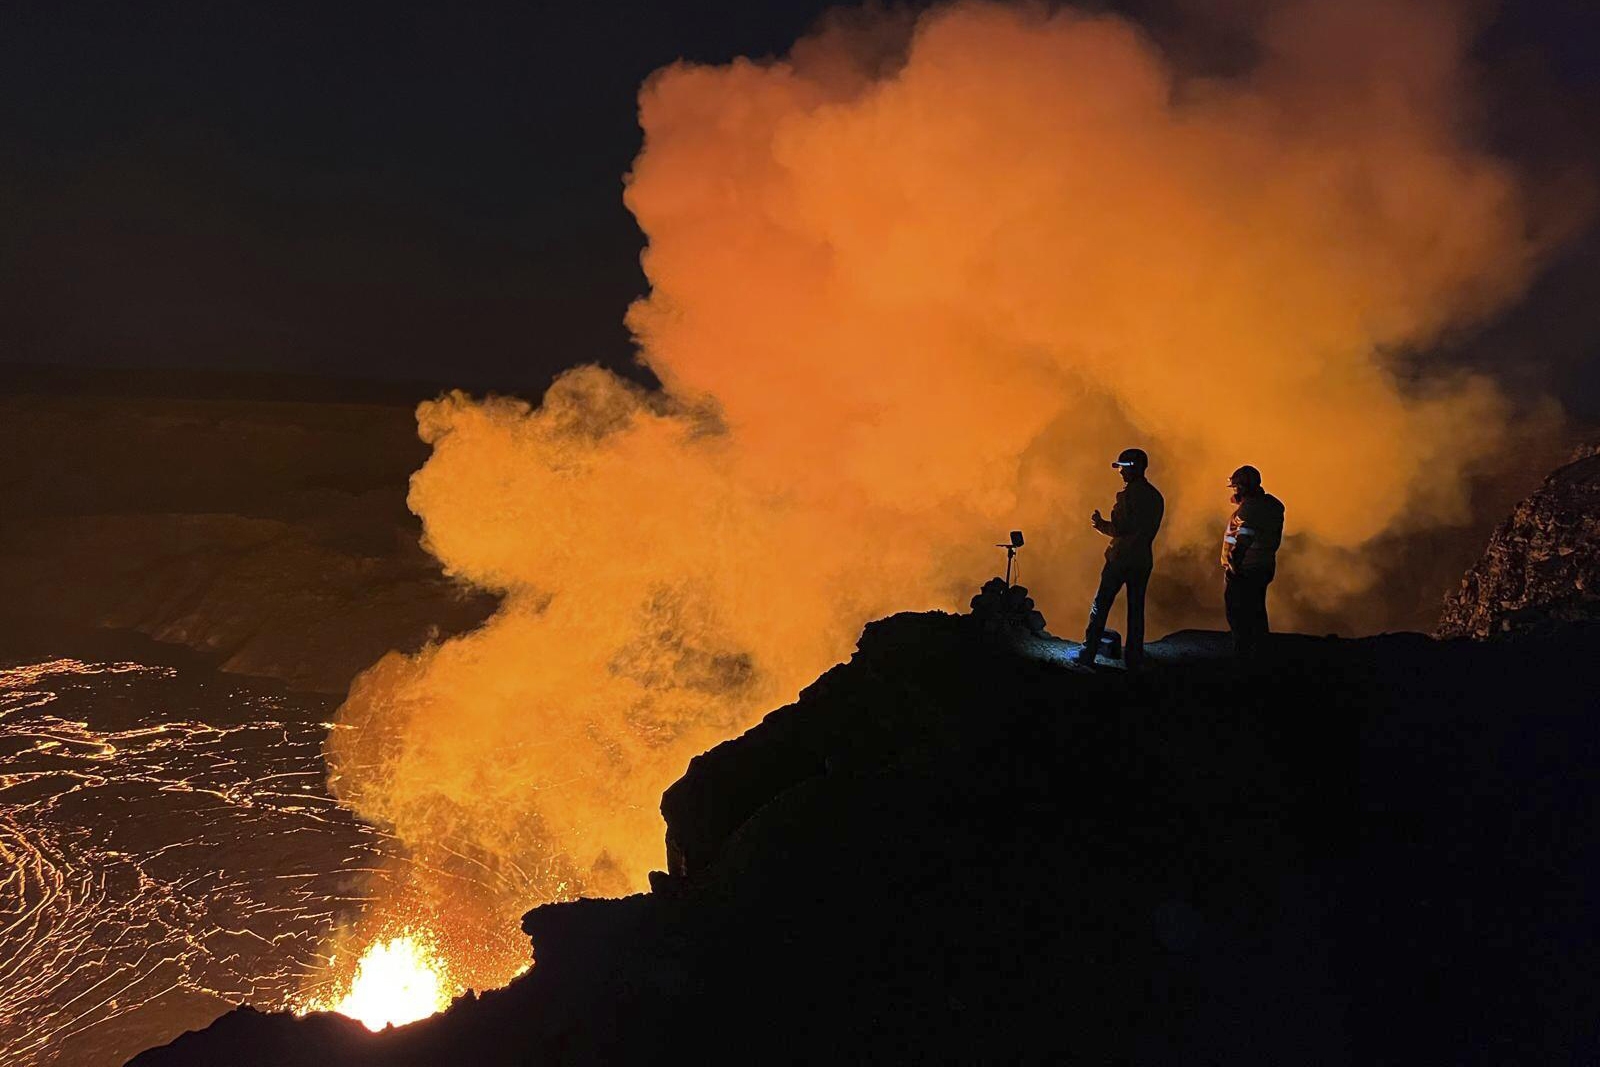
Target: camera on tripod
1011	552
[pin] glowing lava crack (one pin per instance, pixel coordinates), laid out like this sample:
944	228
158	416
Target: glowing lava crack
169	850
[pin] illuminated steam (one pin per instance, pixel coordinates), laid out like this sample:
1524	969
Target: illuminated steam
905	297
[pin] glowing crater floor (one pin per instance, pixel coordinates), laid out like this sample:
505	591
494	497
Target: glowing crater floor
170	849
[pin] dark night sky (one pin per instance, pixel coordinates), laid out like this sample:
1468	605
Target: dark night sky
433	192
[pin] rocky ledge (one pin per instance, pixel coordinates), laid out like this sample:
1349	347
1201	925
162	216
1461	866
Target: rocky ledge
957	847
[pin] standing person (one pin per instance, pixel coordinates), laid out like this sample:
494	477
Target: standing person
1135	518
1250	558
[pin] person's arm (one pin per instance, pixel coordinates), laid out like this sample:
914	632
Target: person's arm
1113	527
1241	548
1241	538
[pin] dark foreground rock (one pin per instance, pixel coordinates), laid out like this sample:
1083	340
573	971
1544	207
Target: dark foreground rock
1542	567
956	848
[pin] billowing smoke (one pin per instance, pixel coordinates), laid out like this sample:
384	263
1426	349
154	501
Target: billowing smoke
911	287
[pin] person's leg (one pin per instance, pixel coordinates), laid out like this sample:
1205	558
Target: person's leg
1133	649
1231	597
1259	624
1263	626
1249	612
1100	610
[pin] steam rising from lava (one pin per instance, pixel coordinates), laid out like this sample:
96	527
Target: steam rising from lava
911	290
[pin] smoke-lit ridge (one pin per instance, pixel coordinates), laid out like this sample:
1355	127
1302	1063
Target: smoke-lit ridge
900	307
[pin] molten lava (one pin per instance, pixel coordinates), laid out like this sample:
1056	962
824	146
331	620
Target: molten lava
397	981
183	810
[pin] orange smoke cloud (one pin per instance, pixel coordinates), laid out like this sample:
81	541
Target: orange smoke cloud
898	307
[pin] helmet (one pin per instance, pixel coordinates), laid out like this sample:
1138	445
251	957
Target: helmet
1246	477
1132	457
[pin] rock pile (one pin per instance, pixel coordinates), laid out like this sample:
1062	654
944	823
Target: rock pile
999	606
1541	570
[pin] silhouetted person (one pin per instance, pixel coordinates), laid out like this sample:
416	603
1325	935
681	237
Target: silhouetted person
1250	558
1135	518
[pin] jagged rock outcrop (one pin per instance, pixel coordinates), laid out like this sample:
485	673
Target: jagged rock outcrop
957	849
1542	567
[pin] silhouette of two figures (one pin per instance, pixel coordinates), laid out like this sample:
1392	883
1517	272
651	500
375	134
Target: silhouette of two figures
1249	558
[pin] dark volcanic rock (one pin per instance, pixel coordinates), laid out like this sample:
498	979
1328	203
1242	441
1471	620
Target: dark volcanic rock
1542	567
1000	605
955	849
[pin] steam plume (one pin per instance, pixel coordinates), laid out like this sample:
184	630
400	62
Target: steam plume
906	296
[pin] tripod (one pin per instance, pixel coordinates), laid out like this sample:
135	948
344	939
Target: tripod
1011	553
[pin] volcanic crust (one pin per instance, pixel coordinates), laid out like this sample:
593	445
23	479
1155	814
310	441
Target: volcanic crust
957	847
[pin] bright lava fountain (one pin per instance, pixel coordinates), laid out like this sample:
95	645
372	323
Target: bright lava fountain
396	982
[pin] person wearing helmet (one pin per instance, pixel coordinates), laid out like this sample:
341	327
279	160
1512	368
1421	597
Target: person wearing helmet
1250	558
1135	519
